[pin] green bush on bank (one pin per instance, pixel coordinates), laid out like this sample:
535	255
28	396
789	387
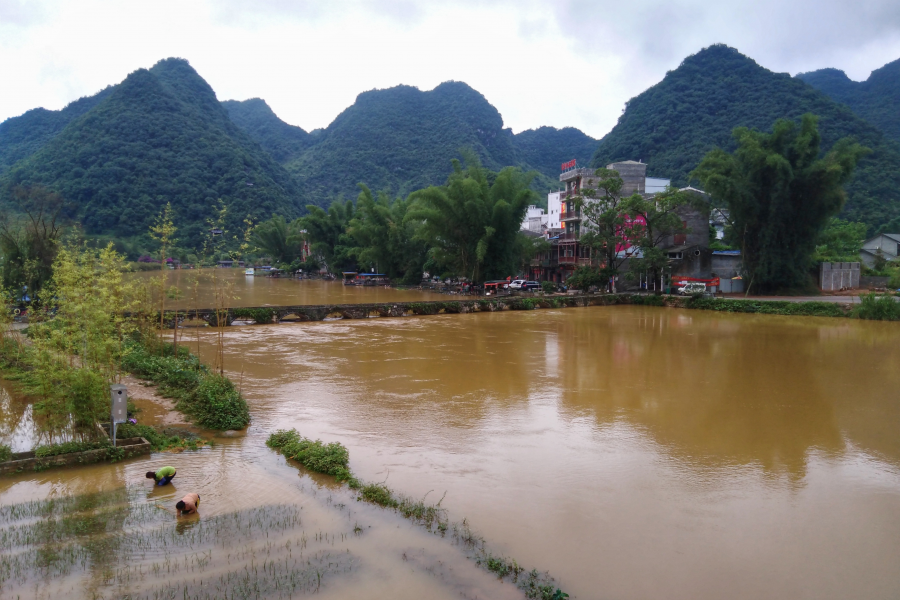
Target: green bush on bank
877	308
211	399
767	307
5	453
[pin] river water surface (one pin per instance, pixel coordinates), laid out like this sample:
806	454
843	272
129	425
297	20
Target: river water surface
633	452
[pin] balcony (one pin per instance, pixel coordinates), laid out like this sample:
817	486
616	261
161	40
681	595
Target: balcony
574	260
568	237
574	215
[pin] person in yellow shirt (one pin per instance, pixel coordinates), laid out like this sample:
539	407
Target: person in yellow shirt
162	476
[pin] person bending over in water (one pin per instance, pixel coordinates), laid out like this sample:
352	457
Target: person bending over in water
189	504
163	476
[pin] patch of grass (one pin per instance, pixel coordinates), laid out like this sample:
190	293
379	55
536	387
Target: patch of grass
874	307
158	440
379	494
69	448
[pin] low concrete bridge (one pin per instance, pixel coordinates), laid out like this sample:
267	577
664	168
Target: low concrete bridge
320	312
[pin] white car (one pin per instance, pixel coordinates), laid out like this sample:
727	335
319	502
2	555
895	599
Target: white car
516	284
690	288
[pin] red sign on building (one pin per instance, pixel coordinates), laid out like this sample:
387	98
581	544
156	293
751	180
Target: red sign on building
568	165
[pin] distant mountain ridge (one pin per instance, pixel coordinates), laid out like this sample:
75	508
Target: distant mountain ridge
877	99
401	139
159	136
672	125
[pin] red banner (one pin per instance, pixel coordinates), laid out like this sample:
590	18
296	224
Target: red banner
568	165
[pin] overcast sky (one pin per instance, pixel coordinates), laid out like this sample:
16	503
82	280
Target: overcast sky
563	63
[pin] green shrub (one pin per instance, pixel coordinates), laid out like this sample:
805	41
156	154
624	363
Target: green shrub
548	287
523	304
648	300
331	459
260	316
5	453
877	308
216	404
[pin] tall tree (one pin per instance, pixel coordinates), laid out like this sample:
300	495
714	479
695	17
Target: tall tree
471	224
607	226
780	192
29	243
281	240
326	232
653	219
840	241
384	239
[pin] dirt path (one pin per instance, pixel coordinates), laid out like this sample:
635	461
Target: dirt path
154	408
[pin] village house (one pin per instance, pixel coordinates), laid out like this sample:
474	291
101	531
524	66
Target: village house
885	244
563	225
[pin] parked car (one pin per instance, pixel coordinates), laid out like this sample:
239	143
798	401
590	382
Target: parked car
530	285
691	288
516	284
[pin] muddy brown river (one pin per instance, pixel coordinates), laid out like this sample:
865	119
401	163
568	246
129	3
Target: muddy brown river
632	452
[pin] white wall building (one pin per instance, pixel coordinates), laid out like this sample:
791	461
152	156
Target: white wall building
554	206
535	219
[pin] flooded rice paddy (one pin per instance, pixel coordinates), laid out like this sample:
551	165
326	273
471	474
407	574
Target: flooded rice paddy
633	452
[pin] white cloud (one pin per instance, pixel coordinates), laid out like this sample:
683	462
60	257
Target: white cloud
570	62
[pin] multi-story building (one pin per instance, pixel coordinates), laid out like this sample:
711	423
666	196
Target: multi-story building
565	223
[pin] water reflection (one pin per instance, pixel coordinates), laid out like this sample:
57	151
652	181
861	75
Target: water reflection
197	289
641	452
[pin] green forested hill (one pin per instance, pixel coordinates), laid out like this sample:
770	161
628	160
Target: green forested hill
284	142
877	99
20	137
402	139
672	125
546	148
159	136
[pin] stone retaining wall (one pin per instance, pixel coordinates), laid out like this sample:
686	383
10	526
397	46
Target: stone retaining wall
26	461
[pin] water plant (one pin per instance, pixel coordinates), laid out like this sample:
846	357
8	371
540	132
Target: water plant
331	459
535	585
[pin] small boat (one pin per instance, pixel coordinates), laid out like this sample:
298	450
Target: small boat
249	271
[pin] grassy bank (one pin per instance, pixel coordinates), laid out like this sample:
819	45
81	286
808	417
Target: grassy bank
210	399
333	459
871	307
